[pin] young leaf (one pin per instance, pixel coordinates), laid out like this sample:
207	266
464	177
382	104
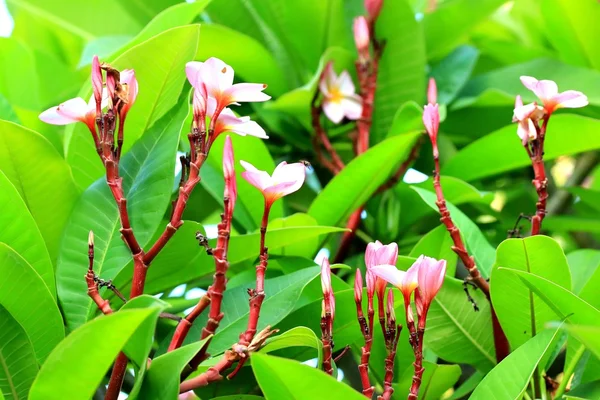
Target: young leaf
20	232
160	80
509	379
148	175
18	365
80	361
162	378
521	312
44	182
360	179
25	296
278	379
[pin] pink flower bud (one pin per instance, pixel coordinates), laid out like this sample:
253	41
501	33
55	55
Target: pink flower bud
373	7
358	287
371	280
431	277
390	306
547	92
431	120
326	278
97	83
432	92
229	175
361	37
111	89
130	85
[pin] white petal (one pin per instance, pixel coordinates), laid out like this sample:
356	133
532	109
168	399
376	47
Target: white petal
352	107
345	83
333	111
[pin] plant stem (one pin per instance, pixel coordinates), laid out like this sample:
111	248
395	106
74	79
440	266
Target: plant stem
568	372
540	182
183	327
367	331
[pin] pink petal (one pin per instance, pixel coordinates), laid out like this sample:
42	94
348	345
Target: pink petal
217	76
432	91
546	90
571	99
526	131
277	191
292	173
361	34
326	277
97	80
373	7
371	253
242	126
75	109
352	106
245	92
192	72
259	179
334	111
389	273
430	276
345	84
249	167
529	82
431	120
524	112
128	78
387	254
358	286
51	116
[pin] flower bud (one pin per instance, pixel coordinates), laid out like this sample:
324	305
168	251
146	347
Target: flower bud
373	7
432	92
391	314
97	83
229	175
326	278
361	37
129	85
431	277
358	287
371	279
431	120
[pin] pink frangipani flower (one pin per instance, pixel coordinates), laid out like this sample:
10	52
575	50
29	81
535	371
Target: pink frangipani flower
379	254
407	281
526	115
547	92
73	110
229	174
217	79
340	98
431	273
286	179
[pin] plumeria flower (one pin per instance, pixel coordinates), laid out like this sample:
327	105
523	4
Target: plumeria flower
217	79
407	281
527	116
379	254
130	86
431	273
73	110
340	99
547	92
228	122
286	179
229	175
328	298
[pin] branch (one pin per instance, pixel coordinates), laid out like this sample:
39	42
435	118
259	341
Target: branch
540	182
91	280
366	329
184	325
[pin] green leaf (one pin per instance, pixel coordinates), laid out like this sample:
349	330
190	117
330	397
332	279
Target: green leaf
80	18
83	358
452	72
590	390
510	378
160	80
305	248
521	312
588	335
565	304
162	378
455	332
360	179
248	57
584	265
282	294
18	365
21	85
436	380
573	30
144	11
148	175
501	150
437	244
475	241
451	22
7	112
278	379
16	220
299	336
400	77
24	295
44	181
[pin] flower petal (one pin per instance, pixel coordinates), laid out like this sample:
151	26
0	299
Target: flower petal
571	99
529	82
352	106
389	273
245	92
241	126
217	76
328	79
192	72
51	116
293	173
75	109
546	90
259	179
333	110
345	84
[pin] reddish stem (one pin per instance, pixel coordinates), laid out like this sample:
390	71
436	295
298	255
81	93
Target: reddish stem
392	346
90	278
367	76
184	325
213	374
540	182
418	364
327	340
500	340
366	328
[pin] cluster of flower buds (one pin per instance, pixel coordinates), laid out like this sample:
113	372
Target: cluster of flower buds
214	92
529	116
431	116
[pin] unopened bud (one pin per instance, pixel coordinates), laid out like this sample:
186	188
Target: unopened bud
91	238
229	174
373	7
326	278
371	279
361	37
432	92
97	83
358	287
431	120
390	307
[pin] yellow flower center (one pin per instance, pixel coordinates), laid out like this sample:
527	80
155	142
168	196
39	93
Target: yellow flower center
335	95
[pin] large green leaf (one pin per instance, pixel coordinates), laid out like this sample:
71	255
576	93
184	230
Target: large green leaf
501	151
162	378
452	72
81	18
360	179
24	295
148	175
80	362
474	239
278	379
573	29
18	85
450	23
20	232
144	11
588	335
18	365
510	378
160	80
585	274
521	312
457	333
44	181
401	68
